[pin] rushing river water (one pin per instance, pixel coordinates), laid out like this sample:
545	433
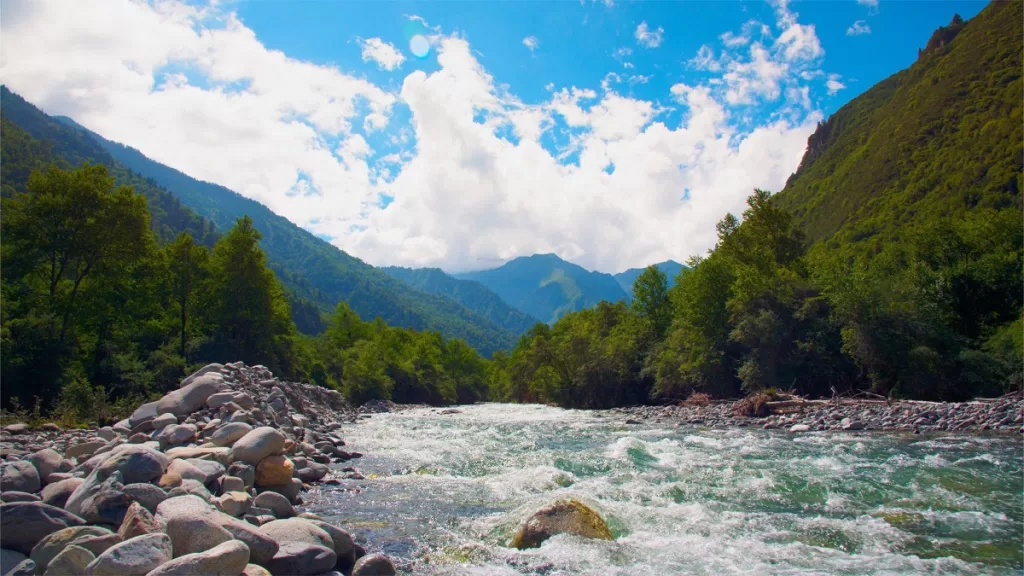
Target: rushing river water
445	493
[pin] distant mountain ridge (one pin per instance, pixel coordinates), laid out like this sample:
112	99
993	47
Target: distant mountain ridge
309	267
671	268
469	293
547	287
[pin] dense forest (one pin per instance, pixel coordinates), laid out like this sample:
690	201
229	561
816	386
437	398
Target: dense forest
99	314
890	263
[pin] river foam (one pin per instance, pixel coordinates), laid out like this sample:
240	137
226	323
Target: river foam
445	494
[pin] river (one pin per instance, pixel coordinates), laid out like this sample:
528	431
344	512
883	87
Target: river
445	493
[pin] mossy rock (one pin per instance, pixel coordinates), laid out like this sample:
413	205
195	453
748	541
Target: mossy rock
562	517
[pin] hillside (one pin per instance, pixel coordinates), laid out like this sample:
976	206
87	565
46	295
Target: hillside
939	139
472	295
671	268
309	267
547	287
32	139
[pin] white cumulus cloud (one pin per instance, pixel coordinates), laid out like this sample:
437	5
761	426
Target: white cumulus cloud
531	42
605	179
833	84
647	37
385	55
858	28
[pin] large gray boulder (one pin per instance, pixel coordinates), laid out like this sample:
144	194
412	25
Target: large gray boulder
72	561
145	413
136	557
93	538
226	558
148	495
46	461
297	530
216	453
9	559
261	546
186	470
301	559
209	368
24	524
228	434
258	444
15	496
344	546
275	502
374	565
133	462
19	476
192	397
107	507
211	469
177	434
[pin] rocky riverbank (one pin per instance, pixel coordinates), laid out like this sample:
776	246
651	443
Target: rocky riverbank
204	480
1001	415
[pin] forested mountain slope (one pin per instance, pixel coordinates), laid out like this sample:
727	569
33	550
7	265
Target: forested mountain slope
309	267
31	139
671	268
472	295
939	139
547	287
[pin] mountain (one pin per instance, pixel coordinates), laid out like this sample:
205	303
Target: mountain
472	295
31	139
671	268
938	139
547	287
310	268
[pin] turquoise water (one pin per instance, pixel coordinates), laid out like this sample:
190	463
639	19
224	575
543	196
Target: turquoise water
445	493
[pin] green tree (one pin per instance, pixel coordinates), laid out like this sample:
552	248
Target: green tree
651	302
187	264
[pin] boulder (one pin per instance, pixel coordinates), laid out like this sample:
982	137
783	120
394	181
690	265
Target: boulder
255	570
274	471
46	461
211	470
219	399
15	496
72	561
133	462
209	368
191	533
234	503
314	472
373	565
258	444
169	480
9	559
26	568
191	397
84	449
19	476
148	495
215	453
276	503
107	507
164	420
92	538
145	413
136	557
290	490
300	559
261	546
185	470
228	434
563	517
244	472
177	434
229	557
56	494
231	484
24	524
800	428
297	530
19	428
851	424
107	433
344	546
137	522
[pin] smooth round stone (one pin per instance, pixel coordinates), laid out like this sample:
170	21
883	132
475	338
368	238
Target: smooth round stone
274	470
374	565
301	559
18	497
19	476
258	444
73	560
24	524
135	557
229	557
275	502
46	461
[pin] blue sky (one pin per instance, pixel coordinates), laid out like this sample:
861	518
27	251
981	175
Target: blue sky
615	134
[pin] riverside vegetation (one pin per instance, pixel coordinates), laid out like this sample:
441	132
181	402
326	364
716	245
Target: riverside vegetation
111	295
